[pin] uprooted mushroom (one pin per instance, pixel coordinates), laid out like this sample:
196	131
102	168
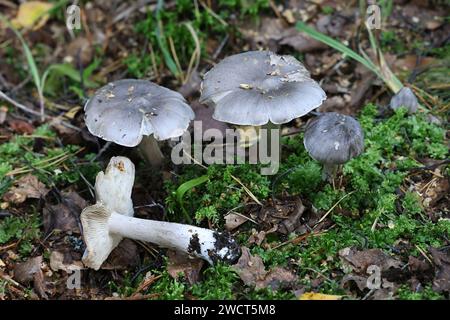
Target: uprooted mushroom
111	219
133	112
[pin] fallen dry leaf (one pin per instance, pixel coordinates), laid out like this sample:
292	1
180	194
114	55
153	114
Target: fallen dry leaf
26	187
124	256
257	237
252	272
272	32
32	14
361	260
318	296
285	215
21	126
233	220
64	216
57	262
441	259
30	271
180	263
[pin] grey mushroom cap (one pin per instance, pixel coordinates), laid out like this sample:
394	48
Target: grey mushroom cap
405	98
255	87
334	138
125	110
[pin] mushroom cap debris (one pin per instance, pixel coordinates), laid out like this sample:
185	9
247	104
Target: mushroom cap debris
125	110
334	138
255	87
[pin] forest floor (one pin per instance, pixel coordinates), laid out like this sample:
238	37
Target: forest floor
380	231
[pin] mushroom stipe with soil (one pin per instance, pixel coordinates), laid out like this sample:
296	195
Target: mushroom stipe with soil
111	219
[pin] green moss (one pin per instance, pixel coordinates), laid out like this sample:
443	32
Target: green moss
427	293
221	193
25	229
379	214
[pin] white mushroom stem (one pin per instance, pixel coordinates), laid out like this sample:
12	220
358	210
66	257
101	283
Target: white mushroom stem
150	150
200	242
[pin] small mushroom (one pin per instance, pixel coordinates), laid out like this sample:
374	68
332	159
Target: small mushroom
405	98
136	112
333	139
260	88
111	219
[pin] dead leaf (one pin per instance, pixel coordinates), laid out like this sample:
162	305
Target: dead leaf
32	14
360	281
252	272
30	271
441	259
26	187
21	126
233	220
124	256
58	261
284	215
331	24
318	296
257	237
79	50
272	32
361	260
64	216
180	263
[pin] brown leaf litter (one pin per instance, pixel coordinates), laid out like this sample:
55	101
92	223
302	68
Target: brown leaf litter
27	187
252	272
189	267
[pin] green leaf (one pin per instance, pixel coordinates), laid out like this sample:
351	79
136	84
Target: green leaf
185	187
66	69
338	46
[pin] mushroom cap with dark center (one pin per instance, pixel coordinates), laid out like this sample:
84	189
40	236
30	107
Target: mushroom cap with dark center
125	110
334	138
255	87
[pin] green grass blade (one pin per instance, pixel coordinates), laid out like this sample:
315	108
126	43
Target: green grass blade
29	57
338	46
185	187
162	41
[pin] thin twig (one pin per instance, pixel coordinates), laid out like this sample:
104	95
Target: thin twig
18	105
